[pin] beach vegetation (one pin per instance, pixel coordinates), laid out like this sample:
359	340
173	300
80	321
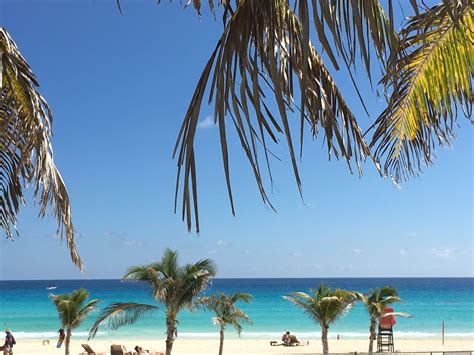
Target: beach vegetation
175	287
226	312
375	303
324	306
26	155
265	69
72	311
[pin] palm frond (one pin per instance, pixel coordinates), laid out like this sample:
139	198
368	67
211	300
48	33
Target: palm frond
324	305
264	47
84	312
225	308
397	314
26	154
118	314
435	76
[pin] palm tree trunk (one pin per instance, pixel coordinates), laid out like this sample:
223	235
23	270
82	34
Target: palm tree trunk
221	343
170	332
372	336
67	341
324	339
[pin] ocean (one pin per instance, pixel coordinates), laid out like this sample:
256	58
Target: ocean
27	310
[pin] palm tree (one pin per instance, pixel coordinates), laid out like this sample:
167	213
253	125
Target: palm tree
26	156
324	306
266	51
174	286
226	312
375	303
435	68
72	311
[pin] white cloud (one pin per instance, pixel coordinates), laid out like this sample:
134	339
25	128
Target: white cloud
221	243
297	254
411	234
212	251
208	122
357	251
132	243
443	253
403	252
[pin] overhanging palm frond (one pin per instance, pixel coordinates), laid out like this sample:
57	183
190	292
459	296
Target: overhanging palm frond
119	314
25	141
435	76
263	49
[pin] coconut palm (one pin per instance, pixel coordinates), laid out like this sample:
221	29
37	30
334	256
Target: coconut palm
265	51
226	312
324	306
26	155
175	287
375	303
73	310
434	66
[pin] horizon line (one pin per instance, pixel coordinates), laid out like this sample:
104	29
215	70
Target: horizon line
263	278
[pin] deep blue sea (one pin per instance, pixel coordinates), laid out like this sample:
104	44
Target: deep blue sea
26	308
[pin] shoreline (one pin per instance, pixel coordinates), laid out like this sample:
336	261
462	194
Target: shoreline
188	346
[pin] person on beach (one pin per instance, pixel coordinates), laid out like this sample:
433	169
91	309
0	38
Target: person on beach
62	335
9	342
286	338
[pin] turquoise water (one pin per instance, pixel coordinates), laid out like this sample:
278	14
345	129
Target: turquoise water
26	308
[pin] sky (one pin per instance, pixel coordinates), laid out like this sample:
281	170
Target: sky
119	86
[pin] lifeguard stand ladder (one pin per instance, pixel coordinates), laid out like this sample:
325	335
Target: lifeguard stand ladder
385	340
385	334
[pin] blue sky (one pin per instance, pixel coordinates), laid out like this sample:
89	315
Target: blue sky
119	87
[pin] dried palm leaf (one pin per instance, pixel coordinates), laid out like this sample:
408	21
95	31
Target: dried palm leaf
26	155
264	46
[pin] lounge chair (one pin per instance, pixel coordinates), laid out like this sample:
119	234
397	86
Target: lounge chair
89	350
118	350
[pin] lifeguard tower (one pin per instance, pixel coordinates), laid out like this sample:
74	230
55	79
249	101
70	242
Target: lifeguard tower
385	333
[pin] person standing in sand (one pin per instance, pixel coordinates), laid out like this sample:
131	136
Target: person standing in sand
9	342
62	336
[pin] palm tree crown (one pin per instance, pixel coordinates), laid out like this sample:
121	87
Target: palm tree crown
73	310
174	286
225	309
226	312
324	306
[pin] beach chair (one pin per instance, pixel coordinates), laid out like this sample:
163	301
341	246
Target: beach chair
119	350
89	350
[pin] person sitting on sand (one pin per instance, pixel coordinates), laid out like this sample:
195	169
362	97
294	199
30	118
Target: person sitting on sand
293	340
140	350
286	338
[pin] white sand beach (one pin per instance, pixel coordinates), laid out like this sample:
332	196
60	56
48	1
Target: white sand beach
244	346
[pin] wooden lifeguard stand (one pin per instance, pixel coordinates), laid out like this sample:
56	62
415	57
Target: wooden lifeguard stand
385	333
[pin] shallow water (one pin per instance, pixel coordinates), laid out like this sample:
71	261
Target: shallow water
26	308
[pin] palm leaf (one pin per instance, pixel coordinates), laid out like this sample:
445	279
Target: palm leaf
435	75
84	312
119	314
263	47
26	154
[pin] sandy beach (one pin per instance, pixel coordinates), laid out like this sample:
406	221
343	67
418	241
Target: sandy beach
244	346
